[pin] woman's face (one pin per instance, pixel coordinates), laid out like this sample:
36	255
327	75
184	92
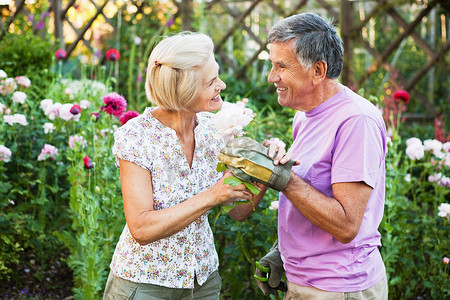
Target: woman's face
209	94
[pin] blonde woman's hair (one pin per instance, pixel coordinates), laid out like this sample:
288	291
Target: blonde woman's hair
173	73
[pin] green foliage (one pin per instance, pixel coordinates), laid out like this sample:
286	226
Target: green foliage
27	55
414	237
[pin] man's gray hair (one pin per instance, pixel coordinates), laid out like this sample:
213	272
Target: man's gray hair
315	39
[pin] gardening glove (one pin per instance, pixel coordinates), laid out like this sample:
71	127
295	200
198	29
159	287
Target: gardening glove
248	161
269	270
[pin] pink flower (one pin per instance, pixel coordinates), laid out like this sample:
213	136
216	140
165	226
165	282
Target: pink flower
128	116
76	139
48	151
231	119
112	55
60	54
5	153
116	104
401	96
170	22
75	110
87	163
23	81
446	260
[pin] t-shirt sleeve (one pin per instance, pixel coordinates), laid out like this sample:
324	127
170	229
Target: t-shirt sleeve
358	152
129	145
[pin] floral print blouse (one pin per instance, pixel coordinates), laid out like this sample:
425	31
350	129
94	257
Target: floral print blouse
176	260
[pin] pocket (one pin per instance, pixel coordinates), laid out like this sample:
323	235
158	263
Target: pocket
120	289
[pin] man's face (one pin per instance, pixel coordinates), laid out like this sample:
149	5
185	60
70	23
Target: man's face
294	83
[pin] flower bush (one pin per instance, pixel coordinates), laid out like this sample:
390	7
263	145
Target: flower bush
58	173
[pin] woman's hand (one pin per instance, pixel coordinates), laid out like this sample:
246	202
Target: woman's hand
223	193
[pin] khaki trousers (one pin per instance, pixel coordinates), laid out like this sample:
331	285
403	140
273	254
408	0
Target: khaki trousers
297	292
121	289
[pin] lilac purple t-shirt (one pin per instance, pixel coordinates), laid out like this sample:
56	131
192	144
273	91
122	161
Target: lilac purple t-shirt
341	140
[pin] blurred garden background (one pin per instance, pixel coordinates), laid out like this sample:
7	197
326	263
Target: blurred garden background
60	199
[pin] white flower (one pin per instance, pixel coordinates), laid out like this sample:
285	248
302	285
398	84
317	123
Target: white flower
85	104
19	97
64	112
231	119
2	108
434	146
5	153
446	147
415	150
3	74
8	86
46	103
23	81
412	141
53	110
137	40
17	118
408	178
434	177
444	210
446	160
274	205
48	128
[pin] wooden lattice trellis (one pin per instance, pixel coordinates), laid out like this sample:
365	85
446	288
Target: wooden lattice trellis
240	11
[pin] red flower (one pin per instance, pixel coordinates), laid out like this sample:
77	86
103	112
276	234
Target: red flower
128	116
60	54
401	96
112	54
116	104
75	110
87	163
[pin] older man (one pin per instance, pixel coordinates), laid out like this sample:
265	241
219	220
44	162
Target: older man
330	209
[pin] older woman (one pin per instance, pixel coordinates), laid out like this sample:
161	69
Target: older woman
167	159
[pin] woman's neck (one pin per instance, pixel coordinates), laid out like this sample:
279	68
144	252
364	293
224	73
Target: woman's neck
183	122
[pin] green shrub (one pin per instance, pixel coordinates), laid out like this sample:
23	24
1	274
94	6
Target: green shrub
27	55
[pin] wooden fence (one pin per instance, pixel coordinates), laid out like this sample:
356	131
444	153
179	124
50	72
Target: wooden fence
355	20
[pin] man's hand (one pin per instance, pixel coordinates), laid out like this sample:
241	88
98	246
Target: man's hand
269	271
250	162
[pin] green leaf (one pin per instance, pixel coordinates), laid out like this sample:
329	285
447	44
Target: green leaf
227	208
220	167
233	181
252	188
